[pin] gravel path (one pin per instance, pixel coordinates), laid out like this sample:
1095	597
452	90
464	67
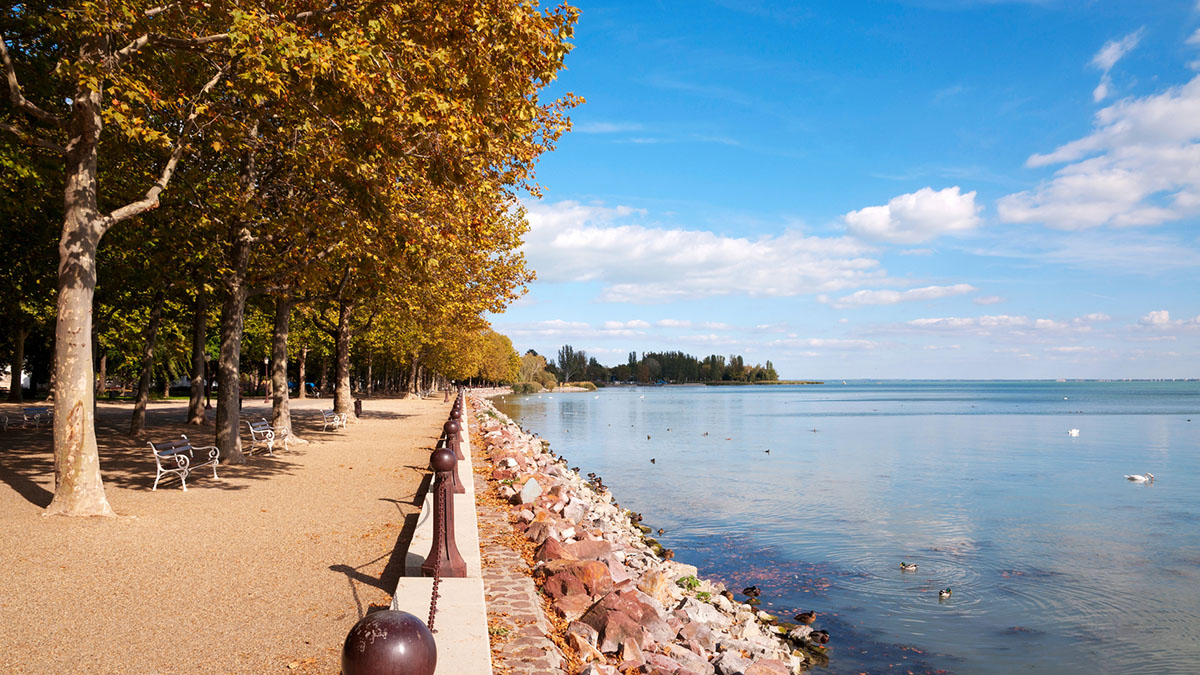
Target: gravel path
262	571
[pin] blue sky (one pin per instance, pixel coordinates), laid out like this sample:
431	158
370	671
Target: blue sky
971	189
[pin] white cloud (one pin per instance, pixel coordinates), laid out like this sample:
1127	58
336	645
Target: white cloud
697	325
573	242
1140	166
617	325
1194	40
988	300
889	297
916	217
823	343
1107	57
1114	50
1159	317
999	324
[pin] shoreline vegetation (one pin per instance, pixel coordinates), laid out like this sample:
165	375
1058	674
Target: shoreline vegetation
621	601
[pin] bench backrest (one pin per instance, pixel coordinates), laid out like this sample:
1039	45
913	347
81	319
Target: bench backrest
176	445
36	411
259	426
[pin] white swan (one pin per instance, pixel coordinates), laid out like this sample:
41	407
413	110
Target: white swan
1147	478
1073	433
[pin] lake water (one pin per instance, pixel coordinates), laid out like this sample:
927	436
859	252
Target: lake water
1057	563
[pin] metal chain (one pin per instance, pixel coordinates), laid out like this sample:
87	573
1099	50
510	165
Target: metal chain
439	524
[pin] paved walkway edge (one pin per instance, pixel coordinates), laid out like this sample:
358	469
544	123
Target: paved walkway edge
461	621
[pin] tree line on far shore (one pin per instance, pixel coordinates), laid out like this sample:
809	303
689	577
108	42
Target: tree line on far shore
267	190
674	367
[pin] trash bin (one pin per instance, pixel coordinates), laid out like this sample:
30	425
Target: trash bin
358	407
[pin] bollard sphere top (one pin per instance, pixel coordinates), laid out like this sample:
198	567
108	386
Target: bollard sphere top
451	427
455	413
389	641
442	459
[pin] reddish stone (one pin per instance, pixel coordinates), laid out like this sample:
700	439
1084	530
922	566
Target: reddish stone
571	607
590	550
621	615
552	549
592	575
502	474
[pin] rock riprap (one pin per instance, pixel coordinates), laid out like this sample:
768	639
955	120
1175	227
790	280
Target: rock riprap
627	606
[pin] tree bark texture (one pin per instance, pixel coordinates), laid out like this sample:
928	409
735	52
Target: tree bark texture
78	488
15	393
302	385
199	361
342	398
233	314
137	424
280	414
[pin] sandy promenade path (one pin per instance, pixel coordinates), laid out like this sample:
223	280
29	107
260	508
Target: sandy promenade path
265	570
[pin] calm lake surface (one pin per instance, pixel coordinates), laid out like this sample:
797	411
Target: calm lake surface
1057	563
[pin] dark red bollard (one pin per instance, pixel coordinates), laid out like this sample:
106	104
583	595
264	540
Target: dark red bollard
443	555
450	430
454	441
389	642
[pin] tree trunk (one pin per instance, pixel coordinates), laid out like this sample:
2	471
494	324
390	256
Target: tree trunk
149	339
15	393
324	374
233	314
410	384
342	397
281	416
199	361
370	376
302	385
78	488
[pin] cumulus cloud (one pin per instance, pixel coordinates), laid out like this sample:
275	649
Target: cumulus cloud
988	300
1140	166
573	242
916	217
617	325
888	297
1107	57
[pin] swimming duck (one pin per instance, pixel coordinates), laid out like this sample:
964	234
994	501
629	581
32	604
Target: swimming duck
651	460
1073	433
907	567
647	436
661	531
806	618
943	594
751	592
1147	478
820	637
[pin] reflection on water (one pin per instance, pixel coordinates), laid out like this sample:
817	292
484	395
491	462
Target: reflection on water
1056	562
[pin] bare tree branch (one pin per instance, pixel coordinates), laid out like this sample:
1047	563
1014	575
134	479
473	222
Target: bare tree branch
30	139
150	201
155	11
14	91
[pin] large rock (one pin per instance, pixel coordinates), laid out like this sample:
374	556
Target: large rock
731	663
590	549
575	511
538	531
622	615
552	549
700	633
529	492
571	607
568	577
657	584
702	611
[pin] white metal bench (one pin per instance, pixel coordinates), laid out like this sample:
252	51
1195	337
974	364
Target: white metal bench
262	434
37	414
182	453
333	419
